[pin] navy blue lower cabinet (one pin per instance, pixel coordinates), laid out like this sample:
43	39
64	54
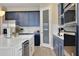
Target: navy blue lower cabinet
37	39
58	46
61	49
77	40
55	45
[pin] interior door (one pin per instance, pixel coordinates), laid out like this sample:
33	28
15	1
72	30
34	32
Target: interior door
46	27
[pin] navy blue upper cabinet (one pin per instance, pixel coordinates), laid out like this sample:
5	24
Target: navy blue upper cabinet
60	14
60	8
77	30
69	16
34	19
16	17
25	19
12	16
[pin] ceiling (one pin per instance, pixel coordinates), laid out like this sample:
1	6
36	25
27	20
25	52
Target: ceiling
23	4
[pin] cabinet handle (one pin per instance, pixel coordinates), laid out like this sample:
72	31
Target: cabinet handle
20	49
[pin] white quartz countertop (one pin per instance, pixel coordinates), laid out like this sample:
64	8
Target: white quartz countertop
69	33
61	37
12	42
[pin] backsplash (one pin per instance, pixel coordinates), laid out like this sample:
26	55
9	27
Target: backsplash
30	29
55	29
71	28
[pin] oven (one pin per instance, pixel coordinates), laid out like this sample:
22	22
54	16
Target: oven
69	39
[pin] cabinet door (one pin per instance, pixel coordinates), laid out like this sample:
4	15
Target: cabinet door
58	46
9	16
34	18
61	52
77	30
56	49
16	18
23	19
55	44
60	12
60	8
69	16
61	47
77	41
12	16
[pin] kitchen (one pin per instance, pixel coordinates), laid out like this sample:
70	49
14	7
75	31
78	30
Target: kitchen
20	29
28	27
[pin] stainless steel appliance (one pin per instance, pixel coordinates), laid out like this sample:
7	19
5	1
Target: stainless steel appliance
25	50
69	39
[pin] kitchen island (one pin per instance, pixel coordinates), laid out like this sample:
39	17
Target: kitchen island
13	46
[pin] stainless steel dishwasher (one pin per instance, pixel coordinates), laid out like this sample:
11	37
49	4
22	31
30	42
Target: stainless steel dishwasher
25	50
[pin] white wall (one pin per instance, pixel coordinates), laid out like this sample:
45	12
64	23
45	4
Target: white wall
54	15
54	11
53	21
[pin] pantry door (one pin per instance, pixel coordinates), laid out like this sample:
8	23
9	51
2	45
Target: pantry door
45	27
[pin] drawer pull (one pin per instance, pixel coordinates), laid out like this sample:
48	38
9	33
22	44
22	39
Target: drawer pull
20	49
